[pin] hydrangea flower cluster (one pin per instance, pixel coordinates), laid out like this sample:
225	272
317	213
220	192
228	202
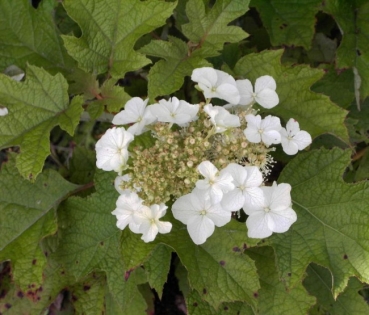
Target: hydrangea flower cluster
211	160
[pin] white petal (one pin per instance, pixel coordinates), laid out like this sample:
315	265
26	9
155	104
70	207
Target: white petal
246	92
280	197
149	231
207	169
133	110
135	228
281	221
200	228
253	196
290	147
18	77
228	92
252	135
137	128
225	181
292	127
265	82
271	123
271	137
253	121
257	225
183	209
233	200
123	221
254	176
267	98
3	111
218	215
238	172
302	139
164	227
257	205
202	184
205	75
118	182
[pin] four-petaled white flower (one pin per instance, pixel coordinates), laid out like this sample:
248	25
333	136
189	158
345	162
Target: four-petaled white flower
272	214
174	111
247	181
129	206
149	224
135	112
293	139
265	94
221	118
265	130
111	149
216	83
201	214
215	183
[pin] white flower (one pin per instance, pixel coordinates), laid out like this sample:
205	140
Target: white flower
273	214
149	223
221	118
294	139
174	111
265	94
247	180
265	130
111	149
216	83
215	183
129	207
200	214
135	112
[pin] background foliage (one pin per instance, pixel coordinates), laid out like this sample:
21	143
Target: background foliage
61	252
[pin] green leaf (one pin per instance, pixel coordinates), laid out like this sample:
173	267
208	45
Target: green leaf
157	268
210	30
289	22
82	166
331	228
112	96
221	255
34	300
30	36
134	250
274	298
315	112
207	32
337	85
90	241
197	306
88	296
167	76
319	283
352	18
27	220
323	49
35	107
110	30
